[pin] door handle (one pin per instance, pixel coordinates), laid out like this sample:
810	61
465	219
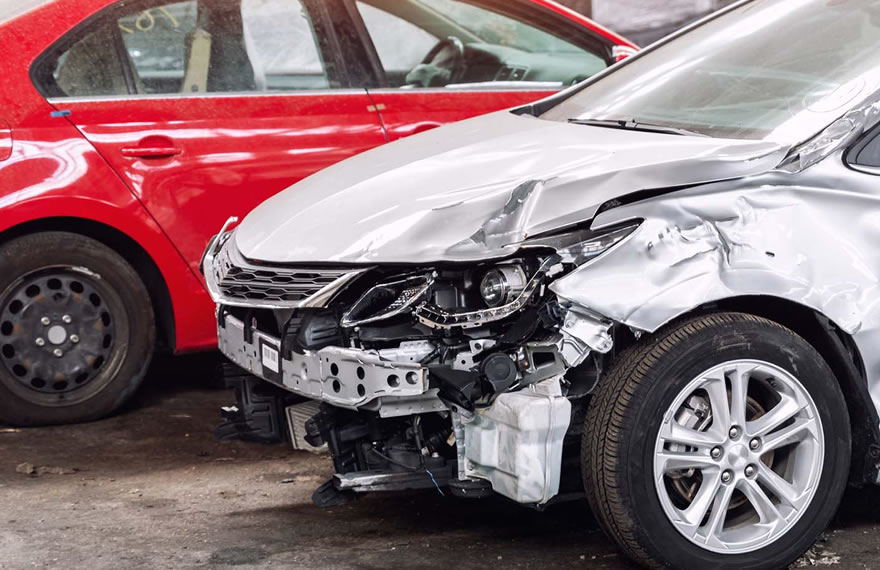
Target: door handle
152	147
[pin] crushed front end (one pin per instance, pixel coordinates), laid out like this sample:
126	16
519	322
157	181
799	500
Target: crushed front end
459	376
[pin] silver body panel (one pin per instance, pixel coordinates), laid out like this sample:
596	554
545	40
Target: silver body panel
468	191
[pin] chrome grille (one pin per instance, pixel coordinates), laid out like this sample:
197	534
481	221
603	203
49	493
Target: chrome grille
238	281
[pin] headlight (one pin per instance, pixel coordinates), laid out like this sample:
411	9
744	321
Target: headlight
502	285
387	300
580	246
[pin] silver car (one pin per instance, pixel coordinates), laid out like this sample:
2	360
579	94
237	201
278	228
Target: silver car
660	287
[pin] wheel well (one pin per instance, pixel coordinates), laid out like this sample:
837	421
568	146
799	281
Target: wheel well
842	355
124	246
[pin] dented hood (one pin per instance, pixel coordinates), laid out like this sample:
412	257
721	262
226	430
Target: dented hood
477	189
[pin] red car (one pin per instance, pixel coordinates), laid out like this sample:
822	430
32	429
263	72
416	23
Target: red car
129	130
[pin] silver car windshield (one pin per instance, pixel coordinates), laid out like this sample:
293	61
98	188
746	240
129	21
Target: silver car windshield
779	70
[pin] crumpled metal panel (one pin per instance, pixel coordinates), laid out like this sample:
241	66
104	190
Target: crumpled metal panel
505	177
810	237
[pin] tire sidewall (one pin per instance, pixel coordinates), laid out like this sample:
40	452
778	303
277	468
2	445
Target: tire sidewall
685	362
132	352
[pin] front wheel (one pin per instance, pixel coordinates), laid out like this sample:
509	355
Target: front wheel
721	442
76	330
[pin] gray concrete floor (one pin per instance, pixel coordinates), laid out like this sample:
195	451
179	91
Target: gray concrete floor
151	488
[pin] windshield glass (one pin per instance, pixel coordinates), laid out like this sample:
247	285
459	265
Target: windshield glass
780	70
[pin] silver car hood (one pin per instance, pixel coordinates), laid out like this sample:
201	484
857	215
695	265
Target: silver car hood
476	189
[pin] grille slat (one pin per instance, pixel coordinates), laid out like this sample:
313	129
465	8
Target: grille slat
241	281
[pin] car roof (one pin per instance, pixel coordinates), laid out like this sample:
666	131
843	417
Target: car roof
10	9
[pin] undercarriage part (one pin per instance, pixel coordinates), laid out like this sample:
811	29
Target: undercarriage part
258	414
328	496
297	416
516	443
582	333
471	488
371	453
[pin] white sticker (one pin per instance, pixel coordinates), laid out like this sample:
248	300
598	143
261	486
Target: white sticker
270	358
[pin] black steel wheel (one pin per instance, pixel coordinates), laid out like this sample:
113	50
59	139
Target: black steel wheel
76	329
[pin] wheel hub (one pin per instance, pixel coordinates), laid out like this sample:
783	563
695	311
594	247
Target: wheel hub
56	331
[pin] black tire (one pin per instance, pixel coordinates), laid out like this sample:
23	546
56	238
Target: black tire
77	330
624	418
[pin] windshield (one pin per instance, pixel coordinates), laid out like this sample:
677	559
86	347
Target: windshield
495	28
779	70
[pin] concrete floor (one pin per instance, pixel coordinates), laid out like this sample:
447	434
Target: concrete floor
151	488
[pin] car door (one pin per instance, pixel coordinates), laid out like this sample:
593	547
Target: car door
205	108
515	52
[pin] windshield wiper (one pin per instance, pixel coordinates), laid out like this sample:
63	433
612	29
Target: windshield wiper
633	125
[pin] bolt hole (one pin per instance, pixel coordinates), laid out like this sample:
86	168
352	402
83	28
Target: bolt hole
19	370
76	287
60	385
8	350
38	383
105	318
412	378
54	284
337	386
15	306
98	362
95	300
81	378
393	381
107	340
32	291
6	328
334	369
361	390
361	373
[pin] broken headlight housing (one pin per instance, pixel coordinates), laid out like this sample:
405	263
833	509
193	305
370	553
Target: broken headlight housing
387	300
502	284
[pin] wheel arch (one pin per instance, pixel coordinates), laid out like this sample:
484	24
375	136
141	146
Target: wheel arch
841	353
124	245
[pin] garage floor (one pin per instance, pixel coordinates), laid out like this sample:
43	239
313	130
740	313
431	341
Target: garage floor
151	488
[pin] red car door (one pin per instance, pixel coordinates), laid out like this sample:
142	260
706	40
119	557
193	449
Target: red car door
205	108
439	61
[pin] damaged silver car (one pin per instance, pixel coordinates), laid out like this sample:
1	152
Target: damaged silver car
660	287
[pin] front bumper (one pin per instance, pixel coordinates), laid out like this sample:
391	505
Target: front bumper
345	377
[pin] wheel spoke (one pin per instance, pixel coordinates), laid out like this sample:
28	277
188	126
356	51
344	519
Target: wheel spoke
767	511
680	461
717	391
692	517
786	492
797	431
674	432
787	408
739	388
715	524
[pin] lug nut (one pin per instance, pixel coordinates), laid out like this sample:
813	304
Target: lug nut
751	471
40	342
57	352
74	338
754	444
734	432
66	319
716	452
45	321
726	477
